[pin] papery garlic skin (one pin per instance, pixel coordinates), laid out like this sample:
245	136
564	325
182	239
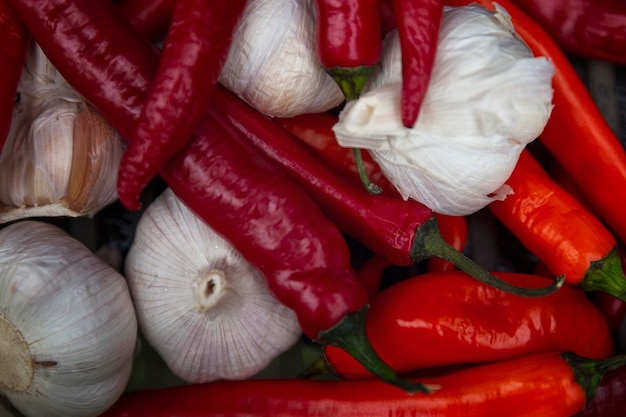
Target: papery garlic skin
200	305
272	63
72	320
488	97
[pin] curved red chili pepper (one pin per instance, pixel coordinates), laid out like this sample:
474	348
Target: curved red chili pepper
546	384
418	23
587	28
440	319
150	17
554	226
14	39
194	53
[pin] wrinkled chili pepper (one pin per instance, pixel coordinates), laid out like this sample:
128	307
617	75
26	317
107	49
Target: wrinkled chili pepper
404	231
577	135
439	319
551	224
150	17
14	39
418	23
194	52
223	180
546	384
587	28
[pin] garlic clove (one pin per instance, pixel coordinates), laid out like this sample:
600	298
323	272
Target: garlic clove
67	324
199	304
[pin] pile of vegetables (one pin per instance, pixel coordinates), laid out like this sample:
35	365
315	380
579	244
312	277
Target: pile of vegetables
301	173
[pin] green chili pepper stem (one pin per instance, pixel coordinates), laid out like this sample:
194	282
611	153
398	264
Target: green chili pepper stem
428	242
367	183
589	372
350	335
351	81
606	275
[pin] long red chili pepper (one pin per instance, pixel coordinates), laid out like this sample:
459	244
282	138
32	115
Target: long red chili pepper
546	384
14	39
554	226
576	134
587	28
404	231
439	319
224	180
150	17
195	49
418	23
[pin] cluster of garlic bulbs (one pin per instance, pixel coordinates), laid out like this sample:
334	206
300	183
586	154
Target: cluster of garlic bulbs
61	156
68	330
488	97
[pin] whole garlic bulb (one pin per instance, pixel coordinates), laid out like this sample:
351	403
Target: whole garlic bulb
488	97
61	156
272	63
199	304
67	325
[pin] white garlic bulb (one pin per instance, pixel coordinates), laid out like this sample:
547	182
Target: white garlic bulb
61	156
488	97
67	324
272	63
200	305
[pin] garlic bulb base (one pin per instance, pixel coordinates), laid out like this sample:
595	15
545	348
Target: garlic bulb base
209	289
15	358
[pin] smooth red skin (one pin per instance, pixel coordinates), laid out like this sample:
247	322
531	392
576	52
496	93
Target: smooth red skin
418	23
610	398
371	274
453	229
383	223
228	184
150	17
536	385
551	223
348	33
587	28
576	134
14	39
440	319
194	52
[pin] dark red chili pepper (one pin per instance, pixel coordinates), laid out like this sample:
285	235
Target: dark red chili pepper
404	231
371	274
14	39
194	52
610	397
554	226
224	180
613	309
150	17
349	41
587	28
546	384
577	135
418	23
440	319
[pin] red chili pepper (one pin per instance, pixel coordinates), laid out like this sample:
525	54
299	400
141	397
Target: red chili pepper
404	231
454	231
195	49
226	182
554	226
349	41
418	23
610	397
371	274
14	39
547	384
576	134
440	319
150	17
587	28
613	309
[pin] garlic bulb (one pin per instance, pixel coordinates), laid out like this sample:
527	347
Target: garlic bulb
61	156
272	63
487	99
67	324
199	304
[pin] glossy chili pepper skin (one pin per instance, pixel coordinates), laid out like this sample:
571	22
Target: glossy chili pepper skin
587	28
418	23
14	38
439	319
194	52
554	226
150	17
544	385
